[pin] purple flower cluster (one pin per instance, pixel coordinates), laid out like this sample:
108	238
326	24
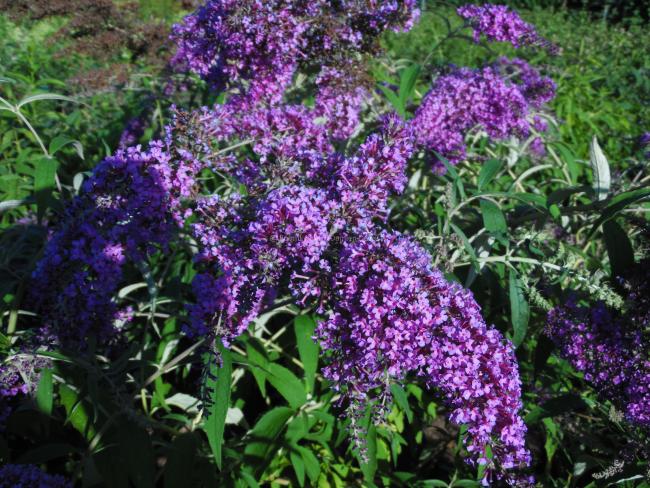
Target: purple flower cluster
29	476
610	347
497	99
393	314
258	46
127	209
501	24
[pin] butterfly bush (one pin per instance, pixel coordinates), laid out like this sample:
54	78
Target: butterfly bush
611	346
304	209
29	476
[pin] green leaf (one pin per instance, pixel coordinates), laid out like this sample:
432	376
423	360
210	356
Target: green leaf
619	248
489	170
266	432
555	406
393	99
45	392
298	467
76	411
180	461
61	141
370	468
44	96
408	79
402	400
44	182
288	385
258	358
308	348
493	217
219	385
312	465
519	309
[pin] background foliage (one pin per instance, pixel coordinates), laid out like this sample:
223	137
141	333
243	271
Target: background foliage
507	228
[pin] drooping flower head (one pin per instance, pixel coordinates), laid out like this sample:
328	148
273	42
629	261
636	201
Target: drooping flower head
393	314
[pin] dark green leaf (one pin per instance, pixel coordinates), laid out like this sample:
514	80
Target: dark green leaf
619	248
45	392
489	170
519	309
288	384
266	431
493	217
44	181
407	83
219	385
304	326
402	400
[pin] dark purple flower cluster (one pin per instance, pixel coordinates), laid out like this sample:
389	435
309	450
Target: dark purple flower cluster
501	24
497	99
127	209
29	476
610	346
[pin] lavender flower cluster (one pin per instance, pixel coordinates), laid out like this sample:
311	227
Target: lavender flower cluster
610	346
501	24
258	46
303	218
501	100
29	476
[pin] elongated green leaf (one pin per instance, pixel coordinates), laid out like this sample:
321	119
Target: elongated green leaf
402	400
493	217
304	326
519	309
393	99
44	181
488	171
44	96
288	385
369	468
45	392
266	431
298	467
619	248
407	83
219	385
77	411
312	466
